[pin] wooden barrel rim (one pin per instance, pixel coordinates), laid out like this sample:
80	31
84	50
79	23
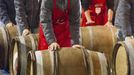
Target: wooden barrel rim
12	67
86	61
31	57
22	54
117	46
15	55
6	45
8	38
11	58
5	37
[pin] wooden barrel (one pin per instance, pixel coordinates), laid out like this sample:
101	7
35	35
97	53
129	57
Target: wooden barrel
99	38
67	61
123	58
6	35
18	55
4	47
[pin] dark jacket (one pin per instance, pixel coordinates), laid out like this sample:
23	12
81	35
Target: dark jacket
124	19
74	18
7	11
116	2
27	13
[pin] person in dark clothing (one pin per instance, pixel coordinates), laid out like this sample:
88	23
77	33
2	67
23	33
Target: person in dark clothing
27	15
124	19
116	2
97	12
7	12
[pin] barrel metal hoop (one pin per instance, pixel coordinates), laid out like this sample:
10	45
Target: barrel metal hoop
86	61
22	55
55	65
103	63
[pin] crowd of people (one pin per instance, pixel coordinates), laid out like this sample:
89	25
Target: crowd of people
58	21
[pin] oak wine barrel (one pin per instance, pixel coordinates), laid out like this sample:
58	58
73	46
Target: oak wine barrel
123	58
18	55
99	38
67	61
6	35
4	47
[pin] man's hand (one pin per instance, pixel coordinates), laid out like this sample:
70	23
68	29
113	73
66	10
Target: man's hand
88	17
10	24
109	24
77	46
90	21
53	46
25	32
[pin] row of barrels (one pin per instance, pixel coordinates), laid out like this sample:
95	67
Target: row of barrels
22	45
66	61
72	61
